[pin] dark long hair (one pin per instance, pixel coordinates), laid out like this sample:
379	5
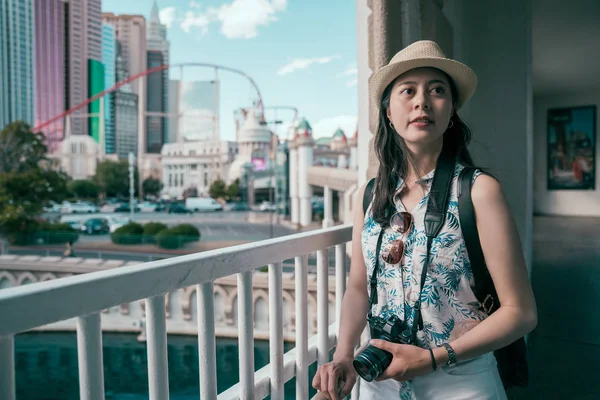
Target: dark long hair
394	157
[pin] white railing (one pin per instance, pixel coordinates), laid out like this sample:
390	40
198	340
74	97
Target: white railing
85	296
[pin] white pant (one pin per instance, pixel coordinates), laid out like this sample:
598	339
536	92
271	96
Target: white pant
472	379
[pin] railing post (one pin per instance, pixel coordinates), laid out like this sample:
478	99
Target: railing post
246	335
89	352
340	280
301	327
7	368
322	307
156	331
276	330
206	341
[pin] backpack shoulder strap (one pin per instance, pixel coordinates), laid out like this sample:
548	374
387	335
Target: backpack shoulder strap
484	286
368	195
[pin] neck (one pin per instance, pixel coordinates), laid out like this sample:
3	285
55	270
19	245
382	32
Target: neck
424	158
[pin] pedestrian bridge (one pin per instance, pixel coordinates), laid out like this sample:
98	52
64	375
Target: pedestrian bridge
85	298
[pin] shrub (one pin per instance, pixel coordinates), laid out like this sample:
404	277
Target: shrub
132	233
35	232
177	236
151	229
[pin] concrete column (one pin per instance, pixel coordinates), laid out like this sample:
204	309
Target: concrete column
341	207
328	203
293	182
501	111
384	27
305	192
342	161
353	160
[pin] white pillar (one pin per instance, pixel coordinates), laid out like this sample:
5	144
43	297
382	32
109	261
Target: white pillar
305	192
328	199
342	161
353	160
293	182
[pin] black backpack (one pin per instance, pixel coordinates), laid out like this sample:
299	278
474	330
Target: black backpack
512	359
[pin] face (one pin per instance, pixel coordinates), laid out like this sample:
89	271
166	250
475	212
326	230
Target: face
421	105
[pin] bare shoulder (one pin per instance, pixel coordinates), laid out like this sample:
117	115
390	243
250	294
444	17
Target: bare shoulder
487	191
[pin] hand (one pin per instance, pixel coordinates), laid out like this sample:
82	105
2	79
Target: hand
407	363
335	379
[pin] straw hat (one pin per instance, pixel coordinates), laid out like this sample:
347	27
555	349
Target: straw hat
424	53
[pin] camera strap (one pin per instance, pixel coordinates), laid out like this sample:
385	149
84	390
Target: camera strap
435	215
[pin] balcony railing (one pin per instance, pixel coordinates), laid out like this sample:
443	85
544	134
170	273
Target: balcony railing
85	296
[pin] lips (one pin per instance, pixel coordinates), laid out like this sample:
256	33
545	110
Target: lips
422	120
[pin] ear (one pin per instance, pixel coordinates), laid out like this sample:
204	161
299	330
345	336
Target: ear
388	113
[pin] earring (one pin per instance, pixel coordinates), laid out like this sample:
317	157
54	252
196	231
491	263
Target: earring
392	125
451	124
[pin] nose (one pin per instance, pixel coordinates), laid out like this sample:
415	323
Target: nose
421	101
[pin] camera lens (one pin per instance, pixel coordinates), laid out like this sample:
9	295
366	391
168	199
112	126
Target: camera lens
371	362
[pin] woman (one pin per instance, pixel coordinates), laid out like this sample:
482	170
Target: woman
418	94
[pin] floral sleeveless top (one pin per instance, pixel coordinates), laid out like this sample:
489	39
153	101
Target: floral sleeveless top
448	305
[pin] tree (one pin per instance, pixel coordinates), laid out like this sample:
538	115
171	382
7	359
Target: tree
218	189
152	186
84	189
27	183
113	178
233	190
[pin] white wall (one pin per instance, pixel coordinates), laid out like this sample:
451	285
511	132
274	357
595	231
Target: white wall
562	202
501	111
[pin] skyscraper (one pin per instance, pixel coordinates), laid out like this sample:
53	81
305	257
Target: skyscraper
158	82
126	111
84	42
50	67
16	61
131	35
109	59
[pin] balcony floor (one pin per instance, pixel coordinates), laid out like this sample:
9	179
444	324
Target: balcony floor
565	347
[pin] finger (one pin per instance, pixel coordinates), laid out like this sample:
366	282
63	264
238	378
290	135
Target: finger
347	387
316	382
332	386
325	384
382	344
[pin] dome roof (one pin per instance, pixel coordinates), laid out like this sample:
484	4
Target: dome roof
253	131
339	135
303	129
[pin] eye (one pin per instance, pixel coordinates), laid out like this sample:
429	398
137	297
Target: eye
407	91
439	90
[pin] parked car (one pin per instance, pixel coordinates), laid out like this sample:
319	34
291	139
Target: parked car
147	206
95	226
267	206
78	208
202	204
126	208
239	207
177	208
115	222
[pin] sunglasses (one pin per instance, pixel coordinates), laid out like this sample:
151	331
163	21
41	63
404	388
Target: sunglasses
400	222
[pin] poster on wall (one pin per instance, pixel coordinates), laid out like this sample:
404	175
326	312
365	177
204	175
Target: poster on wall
572	148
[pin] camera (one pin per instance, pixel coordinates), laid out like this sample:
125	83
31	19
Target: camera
372	361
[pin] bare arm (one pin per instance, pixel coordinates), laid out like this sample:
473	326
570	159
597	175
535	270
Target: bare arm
503	254
356	299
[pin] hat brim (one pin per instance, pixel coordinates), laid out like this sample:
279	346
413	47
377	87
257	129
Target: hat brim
464	77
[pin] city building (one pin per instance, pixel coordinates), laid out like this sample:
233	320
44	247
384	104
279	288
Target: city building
157	82
195	165
173	111
50	68
130	31
109	59
126	112
84	37
16	61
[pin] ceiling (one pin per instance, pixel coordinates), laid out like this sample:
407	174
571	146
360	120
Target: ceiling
566	45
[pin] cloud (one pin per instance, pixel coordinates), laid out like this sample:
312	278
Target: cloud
167	16
303	63
351	71
327	126
191	20
352	83
239	19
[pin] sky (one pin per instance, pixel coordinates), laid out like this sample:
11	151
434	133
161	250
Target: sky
300	53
